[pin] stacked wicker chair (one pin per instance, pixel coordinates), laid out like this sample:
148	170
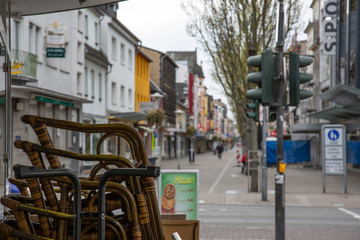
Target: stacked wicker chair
44	209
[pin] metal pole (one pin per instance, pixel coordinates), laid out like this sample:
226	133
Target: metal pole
146	171
178	139
279	177
263	155
8	108
33	172
263	160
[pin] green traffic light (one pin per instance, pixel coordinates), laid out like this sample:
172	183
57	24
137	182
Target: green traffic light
296	78
255	113
265	77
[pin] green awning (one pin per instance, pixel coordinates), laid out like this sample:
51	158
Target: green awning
54	101
335	113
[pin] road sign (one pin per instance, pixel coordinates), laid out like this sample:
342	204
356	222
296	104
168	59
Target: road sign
55	52
334	152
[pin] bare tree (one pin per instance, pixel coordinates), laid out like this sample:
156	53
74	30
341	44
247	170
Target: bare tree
230	31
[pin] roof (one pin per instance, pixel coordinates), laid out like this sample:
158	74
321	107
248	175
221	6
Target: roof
162	54
138	51
96	55
33	7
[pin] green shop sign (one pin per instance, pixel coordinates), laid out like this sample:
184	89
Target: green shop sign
54	101
179	192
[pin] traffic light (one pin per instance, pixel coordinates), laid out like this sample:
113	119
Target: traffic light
297	61
265	78
272	114
255	113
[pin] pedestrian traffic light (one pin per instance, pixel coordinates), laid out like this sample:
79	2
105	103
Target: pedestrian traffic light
265	78
255	113
296	78
272	113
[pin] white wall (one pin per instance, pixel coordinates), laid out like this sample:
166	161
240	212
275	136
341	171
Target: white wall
122	75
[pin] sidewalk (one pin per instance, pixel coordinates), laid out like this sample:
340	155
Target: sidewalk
221	182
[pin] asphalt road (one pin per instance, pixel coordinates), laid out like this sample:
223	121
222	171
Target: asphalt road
258	222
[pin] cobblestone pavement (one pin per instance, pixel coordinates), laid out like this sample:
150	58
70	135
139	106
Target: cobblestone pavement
221	182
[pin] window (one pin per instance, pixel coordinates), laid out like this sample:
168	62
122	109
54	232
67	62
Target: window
130	57
113	93
17	35
79	53
86	82
92	84
96	33
79	20
86	26
113	48
37	40
64	62
122	95
31	37
34	39
100	86
78	84
122	56
130	98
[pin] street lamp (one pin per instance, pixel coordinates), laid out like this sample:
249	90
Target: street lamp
157	97
158	145
178	114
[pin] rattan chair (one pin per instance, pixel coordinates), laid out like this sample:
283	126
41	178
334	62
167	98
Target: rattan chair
136	196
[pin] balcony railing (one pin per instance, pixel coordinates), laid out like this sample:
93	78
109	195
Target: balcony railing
24	64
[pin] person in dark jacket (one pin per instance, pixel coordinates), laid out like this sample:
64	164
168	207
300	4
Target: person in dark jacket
219	150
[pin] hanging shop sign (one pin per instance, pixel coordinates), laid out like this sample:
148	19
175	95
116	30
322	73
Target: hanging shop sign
179	192
55	34
329	27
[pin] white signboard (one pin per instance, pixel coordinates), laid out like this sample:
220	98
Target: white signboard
333	141
334	167
146	107
55	34
328	27
333	138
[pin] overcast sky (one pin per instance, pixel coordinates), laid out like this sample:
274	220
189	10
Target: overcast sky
161	25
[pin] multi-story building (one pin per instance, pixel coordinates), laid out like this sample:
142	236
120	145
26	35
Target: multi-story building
163	74
92	78
336	75
142	79
43	84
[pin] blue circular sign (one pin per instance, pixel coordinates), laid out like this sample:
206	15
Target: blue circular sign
333	135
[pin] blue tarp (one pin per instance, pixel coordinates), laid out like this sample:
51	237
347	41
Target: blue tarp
294	151
353	152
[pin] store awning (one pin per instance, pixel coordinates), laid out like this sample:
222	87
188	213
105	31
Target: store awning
348	97
306	128
316	127
147	129
334	113
128	117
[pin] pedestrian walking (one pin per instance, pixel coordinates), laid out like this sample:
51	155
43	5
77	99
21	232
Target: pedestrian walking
219	150
244	162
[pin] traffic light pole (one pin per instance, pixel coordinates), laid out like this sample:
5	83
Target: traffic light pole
279	176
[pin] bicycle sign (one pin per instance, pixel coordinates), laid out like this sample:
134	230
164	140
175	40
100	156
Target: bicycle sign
333	151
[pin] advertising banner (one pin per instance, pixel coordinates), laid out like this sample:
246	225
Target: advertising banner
179	192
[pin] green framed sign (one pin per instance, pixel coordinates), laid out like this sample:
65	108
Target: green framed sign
179	192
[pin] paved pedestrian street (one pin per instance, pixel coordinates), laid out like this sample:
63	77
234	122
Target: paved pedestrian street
228	211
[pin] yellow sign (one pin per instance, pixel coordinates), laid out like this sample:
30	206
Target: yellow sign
15	67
